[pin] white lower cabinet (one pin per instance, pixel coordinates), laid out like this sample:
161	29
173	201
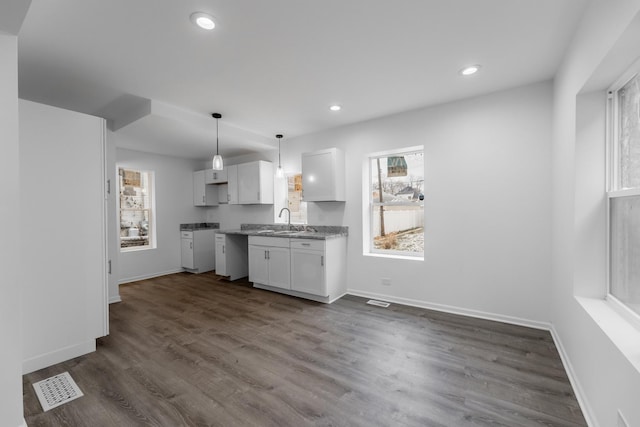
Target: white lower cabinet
307	268
269	261
231	256
198	250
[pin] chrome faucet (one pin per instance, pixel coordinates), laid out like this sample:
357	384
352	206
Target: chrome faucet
288	216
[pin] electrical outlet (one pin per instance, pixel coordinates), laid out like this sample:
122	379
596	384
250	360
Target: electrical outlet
621	421
386	281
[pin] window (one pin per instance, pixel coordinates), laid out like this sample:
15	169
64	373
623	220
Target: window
396	203
136	209
296	206
624	191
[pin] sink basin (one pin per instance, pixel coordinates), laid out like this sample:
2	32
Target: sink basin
264	231
286	232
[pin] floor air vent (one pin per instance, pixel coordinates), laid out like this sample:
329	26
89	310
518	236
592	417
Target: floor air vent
56	391
378	303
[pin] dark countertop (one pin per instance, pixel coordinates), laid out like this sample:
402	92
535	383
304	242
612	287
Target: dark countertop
199	226
317	232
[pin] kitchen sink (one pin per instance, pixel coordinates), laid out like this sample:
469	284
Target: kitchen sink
286	232
264	231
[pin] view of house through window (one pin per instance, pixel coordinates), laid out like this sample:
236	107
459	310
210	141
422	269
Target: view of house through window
624	194
296	206
397	203
136	204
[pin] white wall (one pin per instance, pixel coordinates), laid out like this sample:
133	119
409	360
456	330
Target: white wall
486	202
10	280
62	241
174	206
605	379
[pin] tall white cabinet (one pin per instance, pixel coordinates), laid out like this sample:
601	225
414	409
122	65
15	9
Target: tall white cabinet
65	151
323	174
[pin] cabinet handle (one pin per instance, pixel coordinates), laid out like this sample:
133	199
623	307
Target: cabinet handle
109	189
190	245
258	195
215	175
202	199
265	255
222	248
322	260
228	197
109	266
306	244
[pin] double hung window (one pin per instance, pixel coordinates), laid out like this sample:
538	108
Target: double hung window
396	203
136	209
623	193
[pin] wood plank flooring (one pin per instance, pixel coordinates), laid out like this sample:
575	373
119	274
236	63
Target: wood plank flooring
192	350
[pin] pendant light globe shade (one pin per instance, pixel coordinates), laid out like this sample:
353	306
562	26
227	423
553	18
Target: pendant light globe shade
217	163
279	170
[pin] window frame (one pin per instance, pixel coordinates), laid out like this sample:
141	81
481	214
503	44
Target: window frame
613	182
151	209
368	231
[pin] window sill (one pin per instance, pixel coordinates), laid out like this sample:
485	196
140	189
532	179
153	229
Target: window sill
136	249
621	332
394	256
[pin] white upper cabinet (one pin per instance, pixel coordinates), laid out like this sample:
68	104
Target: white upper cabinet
215	177
232	184
203	194
323	176
255	183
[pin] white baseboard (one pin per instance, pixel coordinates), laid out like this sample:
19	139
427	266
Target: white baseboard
24	423
148	276
453	310
57	356
115	299
587	410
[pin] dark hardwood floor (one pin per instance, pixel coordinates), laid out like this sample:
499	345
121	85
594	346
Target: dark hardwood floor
191	350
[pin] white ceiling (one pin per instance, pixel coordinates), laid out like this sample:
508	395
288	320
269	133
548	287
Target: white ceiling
275	66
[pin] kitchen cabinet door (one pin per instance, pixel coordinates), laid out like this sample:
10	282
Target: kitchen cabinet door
232	184
215	176
255	183
258	265
279	267
221	258
323	176
187	253
203	194
308	272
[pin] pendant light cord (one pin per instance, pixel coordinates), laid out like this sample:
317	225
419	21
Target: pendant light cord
217	138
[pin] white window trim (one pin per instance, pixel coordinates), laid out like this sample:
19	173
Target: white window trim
369	249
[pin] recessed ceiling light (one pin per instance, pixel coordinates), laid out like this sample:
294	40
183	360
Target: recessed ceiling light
203	20
335	107
471	69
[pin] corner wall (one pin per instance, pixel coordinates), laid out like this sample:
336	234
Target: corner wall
487	203
604	378
10	282
174	205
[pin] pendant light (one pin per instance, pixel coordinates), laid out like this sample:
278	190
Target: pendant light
279	171
217	159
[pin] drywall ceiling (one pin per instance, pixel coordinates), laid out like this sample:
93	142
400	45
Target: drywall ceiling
275	66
